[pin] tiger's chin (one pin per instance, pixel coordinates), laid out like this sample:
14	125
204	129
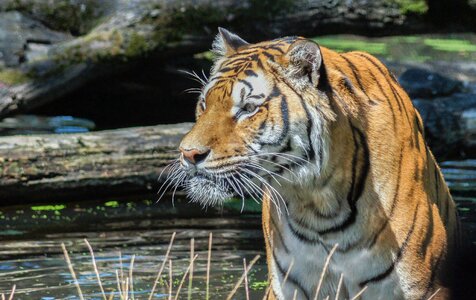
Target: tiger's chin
206	191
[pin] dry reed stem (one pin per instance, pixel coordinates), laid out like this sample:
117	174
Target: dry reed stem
96	270
327	298
237	285
324	270
209	259
190	277
119	288
121	271
287	273
295	295
126	290
339	286
184	276
131	268
267	291
171	282
359	293
71	270
3	296
154	286
246	280
111	295
434	294
12	293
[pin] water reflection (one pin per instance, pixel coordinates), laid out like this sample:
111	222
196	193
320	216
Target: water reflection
31	124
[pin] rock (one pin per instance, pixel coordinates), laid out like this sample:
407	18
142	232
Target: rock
18	31
420	83
450	128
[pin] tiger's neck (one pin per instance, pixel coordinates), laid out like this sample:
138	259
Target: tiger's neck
320	213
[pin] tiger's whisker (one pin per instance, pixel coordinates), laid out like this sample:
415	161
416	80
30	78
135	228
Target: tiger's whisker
270	188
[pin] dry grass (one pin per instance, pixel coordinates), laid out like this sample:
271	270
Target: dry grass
125	282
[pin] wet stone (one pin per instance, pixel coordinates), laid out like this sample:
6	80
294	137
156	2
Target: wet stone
420	83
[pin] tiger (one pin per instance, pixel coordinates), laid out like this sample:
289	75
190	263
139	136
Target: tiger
353	201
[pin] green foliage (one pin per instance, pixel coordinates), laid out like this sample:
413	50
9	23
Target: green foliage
450	45
418	7
342	44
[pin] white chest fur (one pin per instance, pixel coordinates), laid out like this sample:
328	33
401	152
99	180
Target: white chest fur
304	262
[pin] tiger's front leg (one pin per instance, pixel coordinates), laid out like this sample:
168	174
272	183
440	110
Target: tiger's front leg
269	250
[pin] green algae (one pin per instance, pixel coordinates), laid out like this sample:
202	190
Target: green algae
13	76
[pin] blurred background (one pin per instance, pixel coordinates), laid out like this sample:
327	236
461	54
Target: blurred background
93	103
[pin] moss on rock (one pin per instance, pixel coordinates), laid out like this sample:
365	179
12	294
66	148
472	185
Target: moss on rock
76	17
13	76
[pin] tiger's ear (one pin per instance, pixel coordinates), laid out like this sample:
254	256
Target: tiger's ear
305	61
226	43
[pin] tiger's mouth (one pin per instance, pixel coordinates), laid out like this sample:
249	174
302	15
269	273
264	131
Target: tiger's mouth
206	189
210	185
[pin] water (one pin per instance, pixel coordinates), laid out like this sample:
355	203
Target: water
32	259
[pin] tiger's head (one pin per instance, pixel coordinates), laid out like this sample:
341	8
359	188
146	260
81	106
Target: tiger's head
260	120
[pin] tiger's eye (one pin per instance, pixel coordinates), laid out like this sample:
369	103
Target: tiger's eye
249	107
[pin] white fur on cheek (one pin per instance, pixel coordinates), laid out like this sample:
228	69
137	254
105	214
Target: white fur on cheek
251	86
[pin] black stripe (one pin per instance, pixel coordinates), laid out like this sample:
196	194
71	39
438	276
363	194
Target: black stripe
312	151
301	237
419	125
269	56
394	203
324	83
434	271
280	236
246	83
290	277
356	76
399	255
275	92
285	119
386	97
429	233
392	88
347	84
357	183
251	73
274	47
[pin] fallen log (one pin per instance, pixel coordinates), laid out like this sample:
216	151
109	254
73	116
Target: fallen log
96	164
128	161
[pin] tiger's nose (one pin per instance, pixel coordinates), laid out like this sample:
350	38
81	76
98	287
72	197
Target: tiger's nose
195	156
